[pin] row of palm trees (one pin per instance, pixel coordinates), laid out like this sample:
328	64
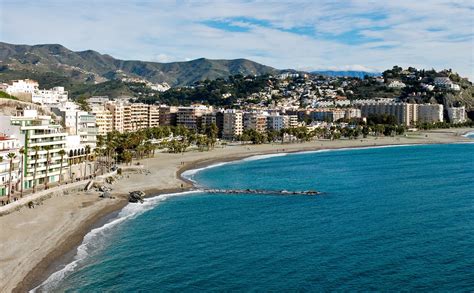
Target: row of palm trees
118	147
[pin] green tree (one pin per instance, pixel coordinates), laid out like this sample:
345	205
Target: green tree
211	133
365	131
127	157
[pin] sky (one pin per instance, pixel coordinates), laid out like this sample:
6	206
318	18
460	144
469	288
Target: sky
305	35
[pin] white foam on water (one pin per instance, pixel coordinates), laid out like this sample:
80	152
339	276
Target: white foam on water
96	238
262	157
189	174
469	134
358	148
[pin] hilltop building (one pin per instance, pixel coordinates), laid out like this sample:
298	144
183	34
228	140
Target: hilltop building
446	83
28	90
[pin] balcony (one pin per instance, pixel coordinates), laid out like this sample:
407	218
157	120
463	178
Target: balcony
46	143
46	135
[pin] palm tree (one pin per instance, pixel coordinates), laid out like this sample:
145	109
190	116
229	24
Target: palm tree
98	160
22	153
70	163
127	157
36	149
11	157
87	152
110	145
46	179
62	153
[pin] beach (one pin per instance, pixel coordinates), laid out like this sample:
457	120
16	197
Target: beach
32	240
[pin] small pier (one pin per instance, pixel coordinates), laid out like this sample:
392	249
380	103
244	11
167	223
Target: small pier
262	192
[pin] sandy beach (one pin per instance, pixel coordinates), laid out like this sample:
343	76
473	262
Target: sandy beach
31	240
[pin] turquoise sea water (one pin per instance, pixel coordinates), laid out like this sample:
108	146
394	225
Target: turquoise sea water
398	218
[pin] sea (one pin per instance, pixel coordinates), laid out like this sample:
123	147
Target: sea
395	218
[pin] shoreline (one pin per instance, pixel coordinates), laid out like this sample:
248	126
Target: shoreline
195	160
43	269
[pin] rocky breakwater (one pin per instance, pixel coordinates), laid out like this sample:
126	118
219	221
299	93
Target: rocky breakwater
136	196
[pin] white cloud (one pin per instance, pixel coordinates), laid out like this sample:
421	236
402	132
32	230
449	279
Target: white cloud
353	67
426	34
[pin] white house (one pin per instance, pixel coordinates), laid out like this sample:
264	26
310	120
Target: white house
396	84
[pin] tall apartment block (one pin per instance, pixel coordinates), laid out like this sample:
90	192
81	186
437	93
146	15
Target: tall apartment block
232	124
33	131
404	113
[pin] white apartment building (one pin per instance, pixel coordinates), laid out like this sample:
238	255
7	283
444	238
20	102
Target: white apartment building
342	103
372	101
278	122
232	124
21	86
52	96
323	104
457	114
9	144
78	122
22	89
430	113
86	128
97	100
28	90
292	121
33	131
446	83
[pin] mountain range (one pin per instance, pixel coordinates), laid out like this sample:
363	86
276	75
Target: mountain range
54	64
61	63
349	73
